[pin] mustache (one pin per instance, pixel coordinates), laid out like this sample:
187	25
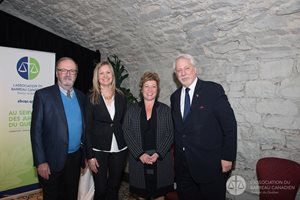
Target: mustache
69	78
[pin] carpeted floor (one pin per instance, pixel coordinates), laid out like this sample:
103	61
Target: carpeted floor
124	192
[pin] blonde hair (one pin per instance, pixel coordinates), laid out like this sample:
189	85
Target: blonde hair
96	89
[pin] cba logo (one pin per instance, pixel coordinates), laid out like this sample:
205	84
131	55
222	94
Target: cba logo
28	68
236	185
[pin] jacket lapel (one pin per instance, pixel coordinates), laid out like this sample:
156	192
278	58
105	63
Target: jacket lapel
104	108
196	96
59	103
117	105
59	107
195	101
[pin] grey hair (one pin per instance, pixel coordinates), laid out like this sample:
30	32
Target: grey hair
185	56
63	59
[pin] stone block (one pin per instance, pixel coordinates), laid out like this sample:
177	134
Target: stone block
276	69
260	89
277	106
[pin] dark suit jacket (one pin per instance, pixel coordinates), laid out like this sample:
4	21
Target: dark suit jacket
209	133
100	127
49	128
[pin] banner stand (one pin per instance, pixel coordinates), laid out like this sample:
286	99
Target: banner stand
23	72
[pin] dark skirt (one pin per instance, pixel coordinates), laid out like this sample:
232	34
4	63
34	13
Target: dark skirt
151	189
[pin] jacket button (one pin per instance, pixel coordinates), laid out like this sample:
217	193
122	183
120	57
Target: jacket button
111	125
183	136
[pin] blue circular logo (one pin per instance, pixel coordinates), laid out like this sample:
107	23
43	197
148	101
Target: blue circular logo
28	68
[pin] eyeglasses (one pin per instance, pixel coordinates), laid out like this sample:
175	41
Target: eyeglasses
65	71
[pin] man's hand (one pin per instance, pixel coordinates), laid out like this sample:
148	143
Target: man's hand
44	170
226	165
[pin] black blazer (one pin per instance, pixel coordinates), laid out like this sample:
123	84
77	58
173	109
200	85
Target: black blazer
209	133
49	128
100	127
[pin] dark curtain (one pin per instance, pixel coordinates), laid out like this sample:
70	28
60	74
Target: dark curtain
17	33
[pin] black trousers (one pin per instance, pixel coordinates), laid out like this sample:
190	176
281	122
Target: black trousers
188	189
108	179
63	184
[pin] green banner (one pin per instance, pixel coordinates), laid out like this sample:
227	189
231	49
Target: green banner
23	72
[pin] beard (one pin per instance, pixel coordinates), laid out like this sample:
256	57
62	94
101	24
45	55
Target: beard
68	81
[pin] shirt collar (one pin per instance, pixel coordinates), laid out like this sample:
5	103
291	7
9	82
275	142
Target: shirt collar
192	86
65	91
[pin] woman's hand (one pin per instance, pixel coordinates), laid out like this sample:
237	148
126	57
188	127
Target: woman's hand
154	157
93	165
146	159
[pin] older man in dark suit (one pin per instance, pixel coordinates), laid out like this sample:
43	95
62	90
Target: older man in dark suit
57	128
205	134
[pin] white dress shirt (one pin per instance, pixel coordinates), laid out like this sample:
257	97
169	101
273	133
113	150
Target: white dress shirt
191	93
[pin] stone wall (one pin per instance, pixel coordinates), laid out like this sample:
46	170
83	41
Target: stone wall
252	48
